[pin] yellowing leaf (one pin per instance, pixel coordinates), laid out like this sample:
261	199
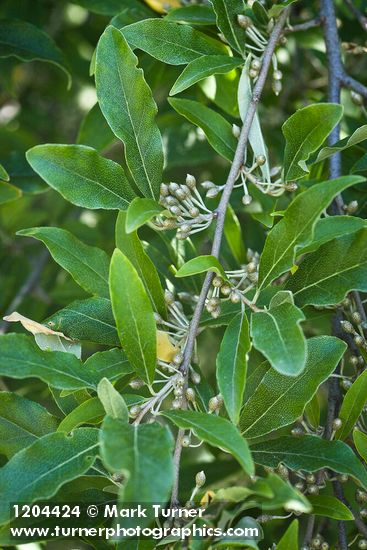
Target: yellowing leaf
161	6
32	326
165	349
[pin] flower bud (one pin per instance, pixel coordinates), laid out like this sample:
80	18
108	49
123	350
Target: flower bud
300	486
176	404
347	327
178	358
313	489
356	98
356	316
253	73
359	340
173	187
170	223
337	424
236	130
362	544
194	212
260	160
185	441
246	200
212	193
235	297
175	210
200	479
352	207
136	383
213	404
244	21
256	64
164	190
225	290
277	75
190	181
291	187
277	87
207	184
195	377
168	297
190	395
217	281
134	411
361	496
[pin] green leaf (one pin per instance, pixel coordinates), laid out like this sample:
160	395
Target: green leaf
112	401
276	332
88	412
233	235
140	212
4	176
201	68
359	135
201	264
304	132
94	130
256	140
117	76
296	229
360	441
91	320
82	176
216	128
279	400
20	357
37	472
143	453
285	495
216	431
170	42
26	42
131	246
289	540
134	316
232	365
193	15
330	507
327	275
276	10
86	264
111	364
310	453
22	422
8	192
331	228
352	405
227	12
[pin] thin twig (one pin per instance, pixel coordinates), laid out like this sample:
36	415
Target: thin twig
357	14
26	288
221	212
311	24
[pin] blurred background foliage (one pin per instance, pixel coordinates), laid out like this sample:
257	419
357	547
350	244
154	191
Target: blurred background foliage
38	104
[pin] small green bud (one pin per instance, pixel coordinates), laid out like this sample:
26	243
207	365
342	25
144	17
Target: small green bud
169	297
217	281
359	340
225	290
185	441
176	404
260	160
277	75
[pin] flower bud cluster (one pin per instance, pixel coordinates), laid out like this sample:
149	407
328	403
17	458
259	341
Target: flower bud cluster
188	212
233	289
